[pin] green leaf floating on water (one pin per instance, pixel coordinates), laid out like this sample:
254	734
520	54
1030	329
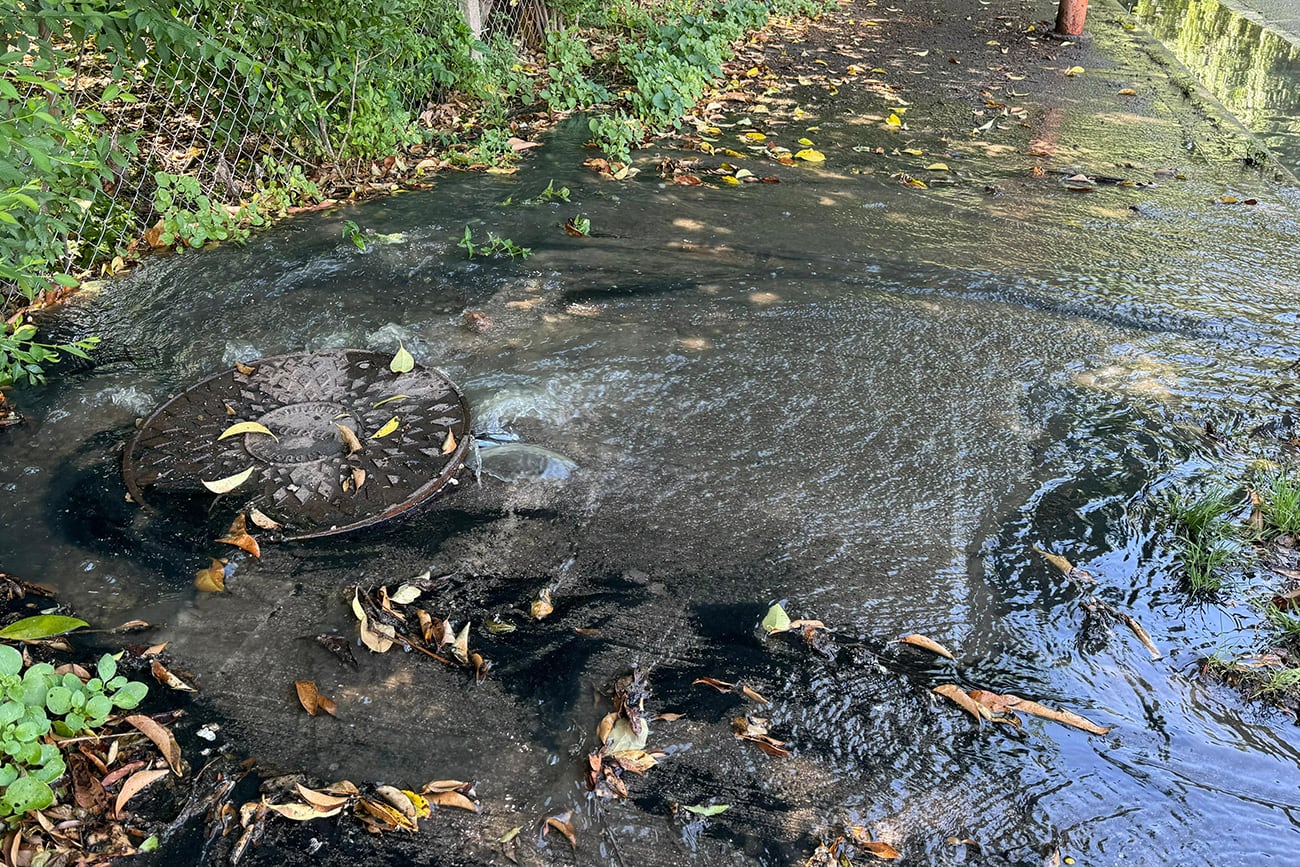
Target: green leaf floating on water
41	626
402	362
710	810
776	620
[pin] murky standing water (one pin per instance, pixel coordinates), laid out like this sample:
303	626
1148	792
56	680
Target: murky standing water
864	400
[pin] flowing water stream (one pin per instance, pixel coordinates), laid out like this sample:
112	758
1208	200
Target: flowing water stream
864	400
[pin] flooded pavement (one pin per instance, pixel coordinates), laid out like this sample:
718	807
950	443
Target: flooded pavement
864	398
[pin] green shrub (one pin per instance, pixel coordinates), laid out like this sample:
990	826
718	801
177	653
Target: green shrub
35	702
22	359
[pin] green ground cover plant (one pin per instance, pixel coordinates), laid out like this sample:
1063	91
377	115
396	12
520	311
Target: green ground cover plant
35	701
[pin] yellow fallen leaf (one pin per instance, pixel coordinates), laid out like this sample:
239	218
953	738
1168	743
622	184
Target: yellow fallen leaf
730	181
246	427
1073	71
1128	91
937	167
211	579
389	426
229	483
894	120
755	136
810	155
806	142
916	152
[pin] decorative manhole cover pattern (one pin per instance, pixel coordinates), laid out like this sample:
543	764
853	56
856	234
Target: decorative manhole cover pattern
305	474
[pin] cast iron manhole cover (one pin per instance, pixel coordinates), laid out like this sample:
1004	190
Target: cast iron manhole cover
306	473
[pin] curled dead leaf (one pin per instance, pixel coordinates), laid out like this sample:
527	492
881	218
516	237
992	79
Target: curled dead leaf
213	578
321	800
349	437
162	739
958	696
261	520
245	369
449	444
302	812
308	696
238	536
167	679
564	824
452	799
921	641
541	606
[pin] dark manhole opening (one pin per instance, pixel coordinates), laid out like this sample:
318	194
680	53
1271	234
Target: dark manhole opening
412	428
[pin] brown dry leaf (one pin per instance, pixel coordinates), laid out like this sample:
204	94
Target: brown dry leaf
753	695
302	812
921	641
167	679
134	785
260	519
308	696
358	478
238	536
564	824
133	626
719	685
541	606
1142	635
449	444
211	579
452	799
349	437
669	717
321	800
162	739
1064	565
636	761
425	619
767	744
245	369
1070	718
87	790
436	786
480	666
862	839
957	696
1128	91
328	705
